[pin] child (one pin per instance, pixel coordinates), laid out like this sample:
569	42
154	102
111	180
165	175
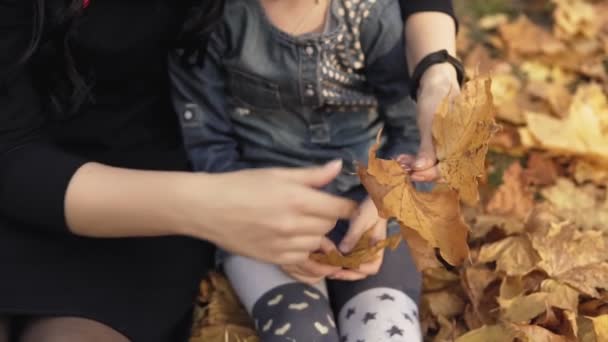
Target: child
296	83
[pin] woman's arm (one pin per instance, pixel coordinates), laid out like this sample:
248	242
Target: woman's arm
274	215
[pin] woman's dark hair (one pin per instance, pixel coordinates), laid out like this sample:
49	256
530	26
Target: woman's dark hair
201	18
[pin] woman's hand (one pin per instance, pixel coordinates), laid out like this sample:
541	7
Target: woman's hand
436	83
312	272
274	215
364	219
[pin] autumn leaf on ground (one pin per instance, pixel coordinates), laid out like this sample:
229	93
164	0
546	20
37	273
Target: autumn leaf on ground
556	95
513	255
583	132
487	333
462	128
523	37
512	198
566	254
585	171
219	316
434	215
580	205
364	251
540	170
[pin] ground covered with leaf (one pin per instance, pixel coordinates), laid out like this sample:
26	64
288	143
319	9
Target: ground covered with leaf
534	266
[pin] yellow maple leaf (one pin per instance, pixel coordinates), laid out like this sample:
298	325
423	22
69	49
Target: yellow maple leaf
513	255
434	215
462	128
583	132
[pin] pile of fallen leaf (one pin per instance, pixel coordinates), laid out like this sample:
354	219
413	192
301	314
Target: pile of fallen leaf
538	267
531	247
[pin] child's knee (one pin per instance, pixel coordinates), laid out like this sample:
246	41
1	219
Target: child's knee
297	311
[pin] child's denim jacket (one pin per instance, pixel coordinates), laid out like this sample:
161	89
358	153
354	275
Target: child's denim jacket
265	98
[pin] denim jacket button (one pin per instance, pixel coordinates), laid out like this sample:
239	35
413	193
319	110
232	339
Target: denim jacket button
188	115
310	50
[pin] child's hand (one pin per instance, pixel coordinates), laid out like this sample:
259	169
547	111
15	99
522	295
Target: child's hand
312	272
436	83
365	218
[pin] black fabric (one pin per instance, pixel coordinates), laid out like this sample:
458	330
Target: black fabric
409	7
143	288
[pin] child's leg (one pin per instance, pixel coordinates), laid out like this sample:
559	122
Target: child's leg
282	308
382	307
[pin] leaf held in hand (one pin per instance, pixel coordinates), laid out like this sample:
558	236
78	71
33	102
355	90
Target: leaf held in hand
462	128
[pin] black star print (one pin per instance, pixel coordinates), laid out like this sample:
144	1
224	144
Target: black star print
386	296
408	317
344	338
395	331
368	317
350	312
415	313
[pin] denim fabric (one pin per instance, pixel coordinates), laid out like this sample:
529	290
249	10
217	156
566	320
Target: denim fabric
263	97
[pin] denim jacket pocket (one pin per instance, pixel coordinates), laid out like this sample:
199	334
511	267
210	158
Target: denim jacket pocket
254	91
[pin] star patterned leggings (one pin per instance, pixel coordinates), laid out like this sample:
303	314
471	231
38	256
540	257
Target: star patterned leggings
381	308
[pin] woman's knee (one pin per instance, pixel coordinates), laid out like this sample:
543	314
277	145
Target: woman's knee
69	329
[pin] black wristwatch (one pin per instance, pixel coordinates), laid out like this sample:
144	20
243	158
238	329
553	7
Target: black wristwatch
437	57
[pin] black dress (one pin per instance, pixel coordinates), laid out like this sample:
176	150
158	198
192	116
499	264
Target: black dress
142	287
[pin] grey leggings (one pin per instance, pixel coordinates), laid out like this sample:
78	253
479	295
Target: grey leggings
380	308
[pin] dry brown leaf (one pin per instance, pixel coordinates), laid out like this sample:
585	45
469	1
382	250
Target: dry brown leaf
585	171
523	37
574	18
434	215
513	255
585	331
462	128
420	250
444	303
512	198
583	132
540	170
219	316
577	205
365	251
507	141
475	281
483	224
587	279
438	278
555	95
506	92
487	333
600	326
537	71
534	333
566	253
522	309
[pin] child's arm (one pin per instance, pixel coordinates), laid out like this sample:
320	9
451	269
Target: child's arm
199	97
427	32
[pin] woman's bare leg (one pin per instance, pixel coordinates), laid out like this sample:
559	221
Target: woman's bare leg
69	329
4	329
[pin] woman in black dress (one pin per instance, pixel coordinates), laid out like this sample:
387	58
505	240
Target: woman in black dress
103	236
